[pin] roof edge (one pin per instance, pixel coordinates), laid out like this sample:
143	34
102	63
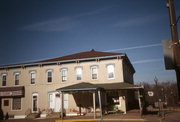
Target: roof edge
55	62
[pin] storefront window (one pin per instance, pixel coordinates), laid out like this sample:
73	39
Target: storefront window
16	104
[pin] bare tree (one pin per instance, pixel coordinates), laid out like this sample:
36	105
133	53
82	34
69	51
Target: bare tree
164	91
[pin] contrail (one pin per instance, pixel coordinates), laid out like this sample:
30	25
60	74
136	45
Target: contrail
147	61
135	47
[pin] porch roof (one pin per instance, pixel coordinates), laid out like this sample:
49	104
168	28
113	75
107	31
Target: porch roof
83	86
79	87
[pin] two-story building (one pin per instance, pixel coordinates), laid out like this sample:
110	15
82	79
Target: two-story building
37	87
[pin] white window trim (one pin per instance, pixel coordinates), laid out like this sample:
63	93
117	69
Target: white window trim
16	73
61	75
31	72
49	70
12	105
94	66
34	94
108	73
76	72
67	100
2	102
1	84
49	99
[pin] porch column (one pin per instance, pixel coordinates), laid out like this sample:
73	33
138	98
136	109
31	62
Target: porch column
100	103
0	103
122	101
139	100
94	104
62	106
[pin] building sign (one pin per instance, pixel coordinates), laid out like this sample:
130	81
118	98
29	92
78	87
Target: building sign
12	92
150	93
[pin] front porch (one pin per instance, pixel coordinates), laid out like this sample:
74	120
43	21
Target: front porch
98	99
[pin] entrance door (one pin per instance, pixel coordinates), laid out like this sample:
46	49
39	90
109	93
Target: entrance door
34	103
51	101
54	101
57	103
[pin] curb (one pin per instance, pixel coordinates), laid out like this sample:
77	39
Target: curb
91	120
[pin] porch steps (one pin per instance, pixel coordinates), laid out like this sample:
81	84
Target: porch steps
54	115
133	111
92	114
33	115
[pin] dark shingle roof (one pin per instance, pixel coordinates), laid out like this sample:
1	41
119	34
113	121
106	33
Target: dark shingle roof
79	87
89	87
88	55
113	86
82	55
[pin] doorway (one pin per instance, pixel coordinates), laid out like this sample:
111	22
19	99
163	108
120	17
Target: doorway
35	103
54	101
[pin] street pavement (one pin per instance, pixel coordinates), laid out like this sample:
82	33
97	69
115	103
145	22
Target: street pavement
129	117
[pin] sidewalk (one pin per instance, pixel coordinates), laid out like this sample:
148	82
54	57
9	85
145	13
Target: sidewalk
129	117
107	118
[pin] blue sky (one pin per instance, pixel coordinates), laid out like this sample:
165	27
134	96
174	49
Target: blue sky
32	30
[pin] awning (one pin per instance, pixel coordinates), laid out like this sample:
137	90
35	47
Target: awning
83	86
16	91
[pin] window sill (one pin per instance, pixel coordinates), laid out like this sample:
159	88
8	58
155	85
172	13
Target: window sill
63	81
49	83
32	84
111	78
16	110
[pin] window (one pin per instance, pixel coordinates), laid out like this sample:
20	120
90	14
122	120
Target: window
110	71
16	78
79	73
4	78
51	102
66	101
16	104
64	75
49	76
33	77
94	72
6	103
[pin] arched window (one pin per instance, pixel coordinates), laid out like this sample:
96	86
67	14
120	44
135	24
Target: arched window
64	74
16	78
94	72
110	71
32	76
78	73
4	79
34	102
49	75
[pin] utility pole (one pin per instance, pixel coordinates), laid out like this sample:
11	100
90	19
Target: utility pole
175	41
